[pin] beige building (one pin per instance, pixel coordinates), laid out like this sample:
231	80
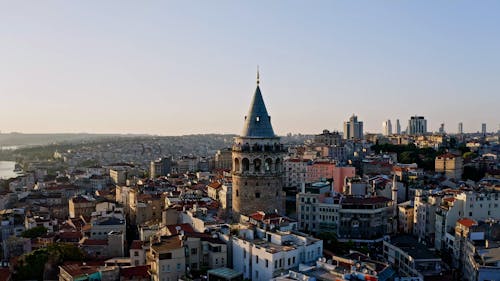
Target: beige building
167	259
223	159
405	217
118	176
81	206
449	164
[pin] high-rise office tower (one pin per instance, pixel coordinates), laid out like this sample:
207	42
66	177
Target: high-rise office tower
353	129
441	128
398	127
483	128
387	128
460	128
417	125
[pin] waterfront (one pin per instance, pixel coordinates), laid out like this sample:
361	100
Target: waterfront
7	169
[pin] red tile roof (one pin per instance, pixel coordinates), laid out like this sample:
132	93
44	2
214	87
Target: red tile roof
215	185
187	228
70	235
76	270
95	242
134	272
5	274
448	155
467	222
449	199
136	245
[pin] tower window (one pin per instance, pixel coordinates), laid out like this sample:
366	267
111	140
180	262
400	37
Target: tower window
257	194
237	194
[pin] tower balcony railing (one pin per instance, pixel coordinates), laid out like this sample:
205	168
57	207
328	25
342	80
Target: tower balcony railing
261	173
259	148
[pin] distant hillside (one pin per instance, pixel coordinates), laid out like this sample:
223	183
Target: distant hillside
18	139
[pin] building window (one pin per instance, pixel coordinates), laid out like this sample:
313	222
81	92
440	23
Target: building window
470	214
244	254
216	261
257	194
237	194
194	251
256	259
267	263
178	267
275	264
136	253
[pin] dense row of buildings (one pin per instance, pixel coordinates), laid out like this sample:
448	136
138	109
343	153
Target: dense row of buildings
256	210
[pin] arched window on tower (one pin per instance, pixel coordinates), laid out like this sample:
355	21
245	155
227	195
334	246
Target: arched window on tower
257	163
268	165
245	163
236	165
277	167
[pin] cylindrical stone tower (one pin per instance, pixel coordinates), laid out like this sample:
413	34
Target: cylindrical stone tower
257	163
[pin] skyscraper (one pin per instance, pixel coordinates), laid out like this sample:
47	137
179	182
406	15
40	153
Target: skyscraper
460	128
353	129
257	163
417	125
483	128
387	128
441	128
398	127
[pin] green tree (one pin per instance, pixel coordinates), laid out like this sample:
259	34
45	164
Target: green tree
469	155
31	266
34	232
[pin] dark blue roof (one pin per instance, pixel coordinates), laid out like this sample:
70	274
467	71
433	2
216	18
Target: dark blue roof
257	121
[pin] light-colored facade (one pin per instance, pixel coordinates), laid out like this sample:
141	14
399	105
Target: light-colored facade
118	176
167	259
424	219
226	196
319	170
387	128
316	210
263	255
449	164
223	159
417	125
295	172
478	206
81	206
353	129
405	217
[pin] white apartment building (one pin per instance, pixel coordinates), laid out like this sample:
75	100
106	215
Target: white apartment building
479	206
295	172
264	254
424	218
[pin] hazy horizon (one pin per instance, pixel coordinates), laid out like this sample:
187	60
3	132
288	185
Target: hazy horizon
188	67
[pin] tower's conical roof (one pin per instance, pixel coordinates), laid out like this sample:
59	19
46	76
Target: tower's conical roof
257	121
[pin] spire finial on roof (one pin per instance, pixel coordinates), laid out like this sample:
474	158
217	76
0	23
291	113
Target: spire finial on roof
258	76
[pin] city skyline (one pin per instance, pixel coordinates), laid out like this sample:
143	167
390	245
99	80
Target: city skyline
175	68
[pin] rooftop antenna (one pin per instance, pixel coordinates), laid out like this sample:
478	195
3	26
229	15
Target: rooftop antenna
258	76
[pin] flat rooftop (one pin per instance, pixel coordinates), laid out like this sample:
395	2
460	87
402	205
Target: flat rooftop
412	247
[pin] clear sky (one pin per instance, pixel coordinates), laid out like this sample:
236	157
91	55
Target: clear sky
183	67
